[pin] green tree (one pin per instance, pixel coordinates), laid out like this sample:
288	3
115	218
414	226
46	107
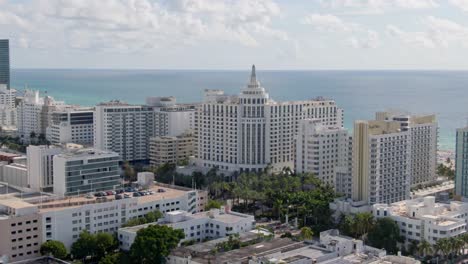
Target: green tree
104	243
424	248
54	248
153	216
84	247
306	233
154	243
385	234
112	259
129	171
213	204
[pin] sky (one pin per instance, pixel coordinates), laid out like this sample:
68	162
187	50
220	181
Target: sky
233	34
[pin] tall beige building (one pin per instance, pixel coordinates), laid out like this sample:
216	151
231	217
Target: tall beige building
170	150
381	162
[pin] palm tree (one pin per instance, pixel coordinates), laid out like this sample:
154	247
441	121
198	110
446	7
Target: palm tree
306	233
424	248
443	245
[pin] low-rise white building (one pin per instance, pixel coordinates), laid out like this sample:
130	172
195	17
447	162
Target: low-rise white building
424	219
197	227
14	174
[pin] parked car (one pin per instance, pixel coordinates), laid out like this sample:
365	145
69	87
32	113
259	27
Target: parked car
118	197
126	195
110	193
161	190
142	193
136	194
89	196
98	194
119	191
151	192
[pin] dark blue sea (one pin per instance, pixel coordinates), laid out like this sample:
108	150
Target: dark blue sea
359	93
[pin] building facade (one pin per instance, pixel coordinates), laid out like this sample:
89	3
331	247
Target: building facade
170	150
125	129
71	125
41	166
424	219
321	150
85	171
461	163
251	131
381	162
197	227
171	119
5	62
424	136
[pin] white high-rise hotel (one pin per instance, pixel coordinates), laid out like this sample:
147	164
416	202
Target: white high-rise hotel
251	131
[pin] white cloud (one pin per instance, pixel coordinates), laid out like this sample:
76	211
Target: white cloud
358	36
129	25
379	6
462	4
439	32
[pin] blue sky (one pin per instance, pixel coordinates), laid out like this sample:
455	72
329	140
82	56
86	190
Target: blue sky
232	34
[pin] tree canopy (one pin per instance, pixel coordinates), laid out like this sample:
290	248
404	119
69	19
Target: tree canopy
385	234
55	248
93	246
154	243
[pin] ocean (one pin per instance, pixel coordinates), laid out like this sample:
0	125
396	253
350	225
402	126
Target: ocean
359	93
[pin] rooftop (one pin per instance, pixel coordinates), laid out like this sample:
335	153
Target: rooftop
15	203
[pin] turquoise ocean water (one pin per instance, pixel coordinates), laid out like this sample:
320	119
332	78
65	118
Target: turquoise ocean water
359	93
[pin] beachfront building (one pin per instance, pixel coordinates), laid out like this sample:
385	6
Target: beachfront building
424	219
197	227
71	125
170	118
321	150
33	114
461	163
5	62
7	106
86	171
250	132
170	150
124	128
381	162
423	130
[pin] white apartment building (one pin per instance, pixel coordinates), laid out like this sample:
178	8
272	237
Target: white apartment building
33	114
123	128
171	119
71	125
251	131
424	136
86	170
321	150
40	166
7	106
381	170
197	227
424	219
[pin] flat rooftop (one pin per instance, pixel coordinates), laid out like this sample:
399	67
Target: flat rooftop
70	202
6	189
15	203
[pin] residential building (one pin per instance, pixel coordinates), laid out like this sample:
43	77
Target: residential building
321	150
197	227
71	125
85	171
461	163
41	166
33	114
381	162
249	132
5	62
7	106
171	119
424	219
424	135
172	150
125	129
20	230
